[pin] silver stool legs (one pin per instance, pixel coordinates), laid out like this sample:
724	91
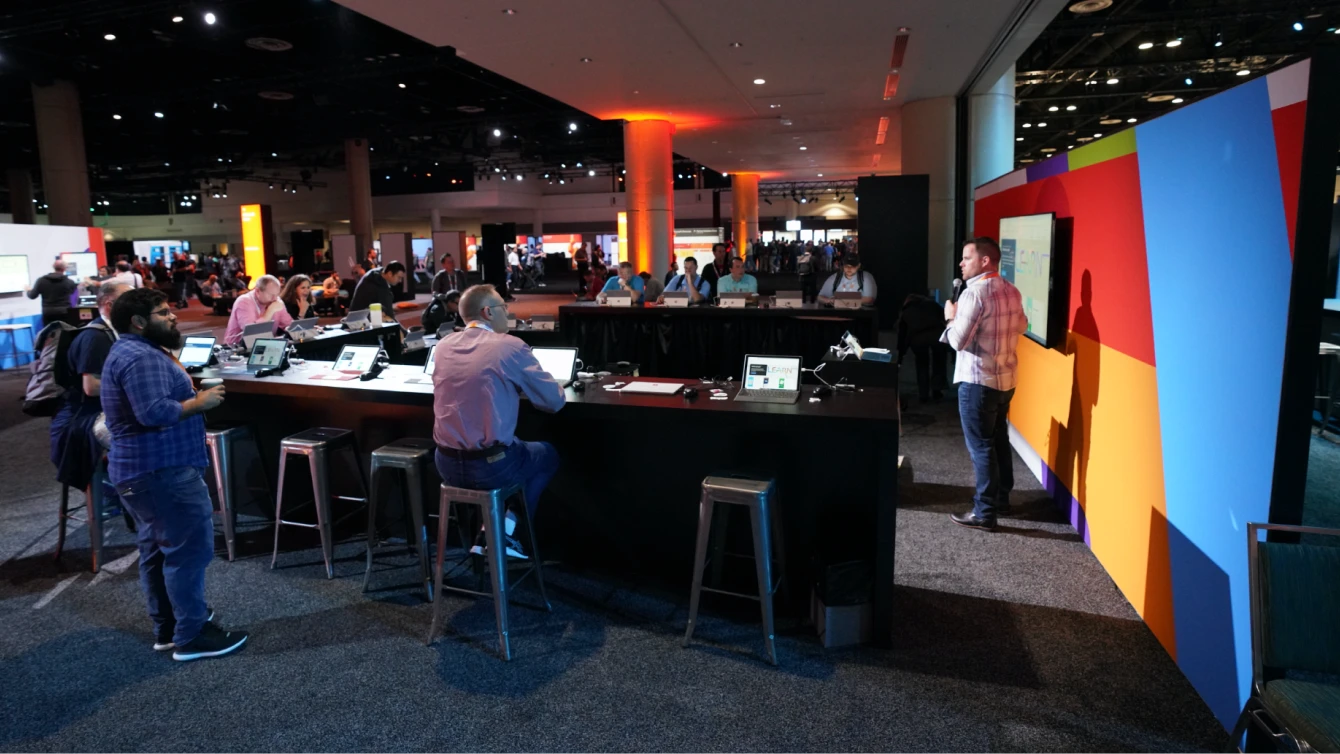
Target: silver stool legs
492	504
94	499
758	496
387	460
220	444
317	453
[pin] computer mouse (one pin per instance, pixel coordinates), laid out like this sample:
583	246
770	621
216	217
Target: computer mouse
821	391
578	386
690	393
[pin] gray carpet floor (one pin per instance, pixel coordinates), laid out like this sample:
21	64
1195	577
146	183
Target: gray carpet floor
1013	641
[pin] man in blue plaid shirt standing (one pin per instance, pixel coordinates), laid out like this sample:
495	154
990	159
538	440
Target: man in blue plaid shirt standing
156	419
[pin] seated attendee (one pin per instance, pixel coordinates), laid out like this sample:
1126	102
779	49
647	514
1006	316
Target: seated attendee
375	288
624	281
297	296
589	284
738	281
74	449
442	310
211	287
329	301
448	278
651	287
852	279
357	272
479	375
262	304
674	270
699	290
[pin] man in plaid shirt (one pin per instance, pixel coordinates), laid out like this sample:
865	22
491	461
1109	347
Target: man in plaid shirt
984	327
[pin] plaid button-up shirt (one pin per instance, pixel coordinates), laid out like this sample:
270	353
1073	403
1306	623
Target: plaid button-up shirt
142	391
986	331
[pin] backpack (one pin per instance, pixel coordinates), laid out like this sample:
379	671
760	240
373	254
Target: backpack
436	314
51	376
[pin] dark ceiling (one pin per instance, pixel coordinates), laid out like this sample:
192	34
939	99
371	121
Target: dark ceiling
1069	66
275	85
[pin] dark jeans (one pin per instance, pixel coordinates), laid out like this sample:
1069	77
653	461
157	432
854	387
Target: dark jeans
930	366
983	412
183	288
809	289
174	518
582	268
532	464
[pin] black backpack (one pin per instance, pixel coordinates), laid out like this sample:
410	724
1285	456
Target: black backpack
51	375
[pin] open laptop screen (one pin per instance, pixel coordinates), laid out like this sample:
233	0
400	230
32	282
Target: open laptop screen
771	373
560	363
356	358
267	352
196	351
428	365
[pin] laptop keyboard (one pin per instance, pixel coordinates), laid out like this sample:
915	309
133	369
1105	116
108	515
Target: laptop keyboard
768	396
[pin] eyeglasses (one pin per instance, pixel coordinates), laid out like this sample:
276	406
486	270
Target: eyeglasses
164	312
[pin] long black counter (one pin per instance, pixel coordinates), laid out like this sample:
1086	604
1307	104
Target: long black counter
626	496
707	341
327	345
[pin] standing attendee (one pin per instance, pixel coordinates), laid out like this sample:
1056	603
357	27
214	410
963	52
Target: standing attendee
828	255
375	288
625	281
805	267
163	276
984	327
183	275
674	270
583	267
513	268
297	296
55	289
699	290
920	325
479	375
229	265
738	281
262	304
718	269
852	279
74	449
448	278
370	260
126	275
156	463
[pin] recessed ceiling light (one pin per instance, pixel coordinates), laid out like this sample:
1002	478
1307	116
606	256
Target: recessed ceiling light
737	44
509	11
774	106
116	117
586	60
177	19
1244	72
1018	138
1146	45
803	148
760	81
1097	136
820	175
1114	81
1042	125
1070	108
1177	101
210	18
1053	109
572	126
1174	43
1130	120
1028	125
158	115
402	86
1110	121
109	37
497	132
1049	149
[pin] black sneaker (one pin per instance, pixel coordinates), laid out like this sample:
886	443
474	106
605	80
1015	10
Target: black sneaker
211	642
163	642
973	522
514	548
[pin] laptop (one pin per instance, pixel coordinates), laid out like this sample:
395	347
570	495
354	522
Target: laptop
847	300
618	298
356	358
789	300
253	332
358	320
446	328
414	341
197	351
770	379
88	301
733	300
266	353
676	298
302	329
560	363
427	376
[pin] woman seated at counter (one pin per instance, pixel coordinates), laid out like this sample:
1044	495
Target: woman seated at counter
297	296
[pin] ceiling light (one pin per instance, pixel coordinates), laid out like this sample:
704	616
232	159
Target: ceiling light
210	18
1053	109
1187	81
109	37
1297	25
803	148
1090	6
158	115
272	186
591	173
821	175
737	44
1042	125
1110	121
1018	138
402	86
274	154
116	117
1175	42
774	106
760	81
1049	149
497	170
572	126
519	177
388	177
167	164
579	164
586	60
509	11
1218	43
1070	108
1097	136
497	132
561	181
1130	120
1146	45
177	19
1244	72
1177	101
1028	125
1114	81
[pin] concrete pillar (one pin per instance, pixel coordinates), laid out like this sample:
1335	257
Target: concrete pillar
990	137
537	223
360	193
435	220
928	149
21	196
744	208
648	152
60	142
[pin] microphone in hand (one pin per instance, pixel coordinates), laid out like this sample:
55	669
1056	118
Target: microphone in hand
958	290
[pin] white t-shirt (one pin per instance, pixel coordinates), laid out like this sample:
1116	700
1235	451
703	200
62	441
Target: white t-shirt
513	259
129	277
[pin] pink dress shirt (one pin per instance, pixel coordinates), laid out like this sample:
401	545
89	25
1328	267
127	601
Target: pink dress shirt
477	374
248	311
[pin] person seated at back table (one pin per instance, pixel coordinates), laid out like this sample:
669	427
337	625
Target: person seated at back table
651	287
479	375
262	304
442	310
699	290
297	297
448	278
375	288
624	281
852	279
738	281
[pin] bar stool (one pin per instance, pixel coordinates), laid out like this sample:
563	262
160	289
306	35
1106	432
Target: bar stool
220	442
759	496
407	455
95	499
317	444
491	504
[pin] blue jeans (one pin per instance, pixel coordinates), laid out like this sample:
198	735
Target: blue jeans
174	516
984	411
531	464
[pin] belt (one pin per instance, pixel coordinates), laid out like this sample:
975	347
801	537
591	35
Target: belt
471	455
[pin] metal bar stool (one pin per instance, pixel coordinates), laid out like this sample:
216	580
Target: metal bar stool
491	504
317	444
409	456
220	442
759	496
94	514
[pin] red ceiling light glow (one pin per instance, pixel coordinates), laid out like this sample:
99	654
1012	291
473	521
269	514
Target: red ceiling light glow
890	86
875	162
883	130
895	64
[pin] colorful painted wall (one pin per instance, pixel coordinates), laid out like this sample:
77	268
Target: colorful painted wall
1154	428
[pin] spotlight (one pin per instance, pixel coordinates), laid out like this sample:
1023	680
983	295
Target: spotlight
274	154
1053	109
1219	40
561	181
1174	42
1070	108
1146	45
158	115
1297	25
1187	80
402	86
1244	72
1177	101
116	117
591	173
109	37
759	81
579	164
1130	120
1113	81
497	132
519	177
210	18
572	126
497	170
177	19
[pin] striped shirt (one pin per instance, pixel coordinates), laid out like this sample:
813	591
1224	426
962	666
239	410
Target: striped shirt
986	331
142	391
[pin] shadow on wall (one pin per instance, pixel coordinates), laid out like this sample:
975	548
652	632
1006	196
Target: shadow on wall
1070	441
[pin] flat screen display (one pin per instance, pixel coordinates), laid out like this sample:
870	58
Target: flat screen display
1026	260
558	362
196	351
356	358
771	373
13	273
80	265
267	352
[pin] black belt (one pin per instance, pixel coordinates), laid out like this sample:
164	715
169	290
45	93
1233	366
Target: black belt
471	455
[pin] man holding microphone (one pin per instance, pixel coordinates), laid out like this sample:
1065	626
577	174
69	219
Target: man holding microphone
984	326
156	420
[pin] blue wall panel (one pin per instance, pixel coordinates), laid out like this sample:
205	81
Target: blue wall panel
1219	270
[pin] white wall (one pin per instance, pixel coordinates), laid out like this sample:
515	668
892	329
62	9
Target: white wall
42	245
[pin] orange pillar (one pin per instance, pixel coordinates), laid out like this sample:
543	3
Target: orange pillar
744	209
649	184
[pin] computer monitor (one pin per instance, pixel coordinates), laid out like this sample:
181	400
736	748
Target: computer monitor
428	365
196	351
560	363
266	353
356	358
359	319
772	373
253	332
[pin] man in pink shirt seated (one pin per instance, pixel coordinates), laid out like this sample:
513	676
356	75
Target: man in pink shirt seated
477	374
262	304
